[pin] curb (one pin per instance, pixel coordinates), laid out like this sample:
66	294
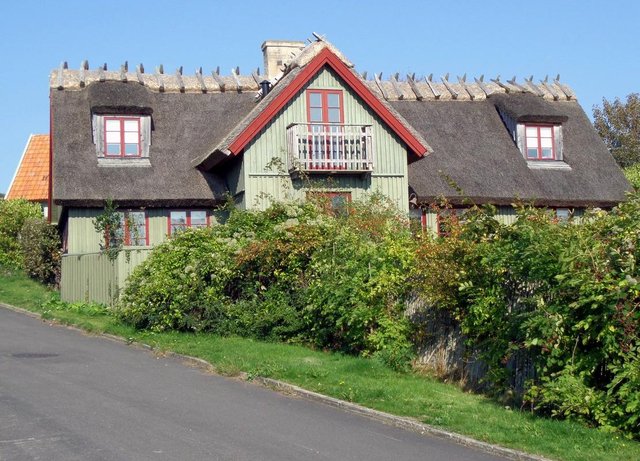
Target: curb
405	423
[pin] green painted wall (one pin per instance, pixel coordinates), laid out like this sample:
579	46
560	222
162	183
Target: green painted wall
88	275
262	183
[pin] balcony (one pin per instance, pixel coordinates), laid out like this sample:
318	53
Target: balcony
330	148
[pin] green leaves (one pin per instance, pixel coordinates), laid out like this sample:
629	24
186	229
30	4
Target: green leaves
566	295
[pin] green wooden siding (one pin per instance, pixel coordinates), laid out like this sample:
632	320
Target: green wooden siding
88	275
265	159
93	277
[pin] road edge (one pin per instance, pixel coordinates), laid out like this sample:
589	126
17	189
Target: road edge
402	422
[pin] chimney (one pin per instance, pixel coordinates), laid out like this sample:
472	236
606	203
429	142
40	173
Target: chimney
276	53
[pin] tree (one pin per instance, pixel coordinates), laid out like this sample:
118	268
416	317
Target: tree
618	123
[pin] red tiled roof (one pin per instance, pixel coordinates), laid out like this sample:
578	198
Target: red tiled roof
31	181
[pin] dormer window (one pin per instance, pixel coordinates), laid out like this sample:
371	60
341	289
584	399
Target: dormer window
539	142
122	136
122	140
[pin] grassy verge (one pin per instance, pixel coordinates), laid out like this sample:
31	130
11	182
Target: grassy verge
355	379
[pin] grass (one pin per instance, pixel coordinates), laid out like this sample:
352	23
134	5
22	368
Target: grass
356	379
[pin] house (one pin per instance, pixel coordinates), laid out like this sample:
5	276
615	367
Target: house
31	179
169	149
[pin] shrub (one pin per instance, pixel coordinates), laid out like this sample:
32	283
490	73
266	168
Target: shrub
41	251
13	214
563	295
291	272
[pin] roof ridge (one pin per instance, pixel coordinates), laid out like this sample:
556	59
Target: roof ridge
64	78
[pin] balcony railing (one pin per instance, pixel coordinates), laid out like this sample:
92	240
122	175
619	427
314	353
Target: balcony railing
336	148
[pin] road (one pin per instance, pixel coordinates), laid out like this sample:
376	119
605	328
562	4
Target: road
68	396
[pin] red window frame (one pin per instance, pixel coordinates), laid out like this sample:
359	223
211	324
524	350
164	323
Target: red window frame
324	95
330	206
539	138
127	229
313	140
188	224
122	119
126	235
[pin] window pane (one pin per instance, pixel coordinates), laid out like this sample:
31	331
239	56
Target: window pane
546	143
131	125
198	218
113	125
545	132
532	142
113	137
131	149
315	99
178	220
113	149
333	100
131	138
316	115
334	115
137	228
532	131
532	153
547	153
178	217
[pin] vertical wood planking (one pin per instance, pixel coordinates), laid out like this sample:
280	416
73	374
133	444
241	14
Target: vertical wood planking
389	177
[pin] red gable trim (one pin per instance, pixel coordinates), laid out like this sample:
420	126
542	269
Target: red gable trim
311	69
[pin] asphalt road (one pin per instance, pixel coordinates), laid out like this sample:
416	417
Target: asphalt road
68	396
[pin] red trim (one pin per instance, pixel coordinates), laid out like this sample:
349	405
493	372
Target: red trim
539	150
324	119
122	136
127	229
50	198
326	57
146	225
188	217
423	218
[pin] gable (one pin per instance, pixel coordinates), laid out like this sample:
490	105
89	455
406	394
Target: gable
31	180
295	81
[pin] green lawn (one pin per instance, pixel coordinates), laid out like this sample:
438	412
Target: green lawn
355	379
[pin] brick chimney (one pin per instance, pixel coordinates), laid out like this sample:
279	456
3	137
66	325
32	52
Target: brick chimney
276	53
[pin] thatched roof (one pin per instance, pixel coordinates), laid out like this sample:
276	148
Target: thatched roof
183	126
473	151
195	118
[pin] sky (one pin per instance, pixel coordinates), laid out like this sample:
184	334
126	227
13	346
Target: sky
593	45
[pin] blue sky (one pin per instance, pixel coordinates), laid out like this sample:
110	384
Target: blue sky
593	45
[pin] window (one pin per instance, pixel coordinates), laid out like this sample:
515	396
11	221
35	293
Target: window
539	142
122	139
135	224
563	214
336	203
324	106
133	230
325	117
180	220
122	136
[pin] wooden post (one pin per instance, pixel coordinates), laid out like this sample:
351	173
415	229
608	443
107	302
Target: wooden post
203	86
414	87
216	76
377	78
436	93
